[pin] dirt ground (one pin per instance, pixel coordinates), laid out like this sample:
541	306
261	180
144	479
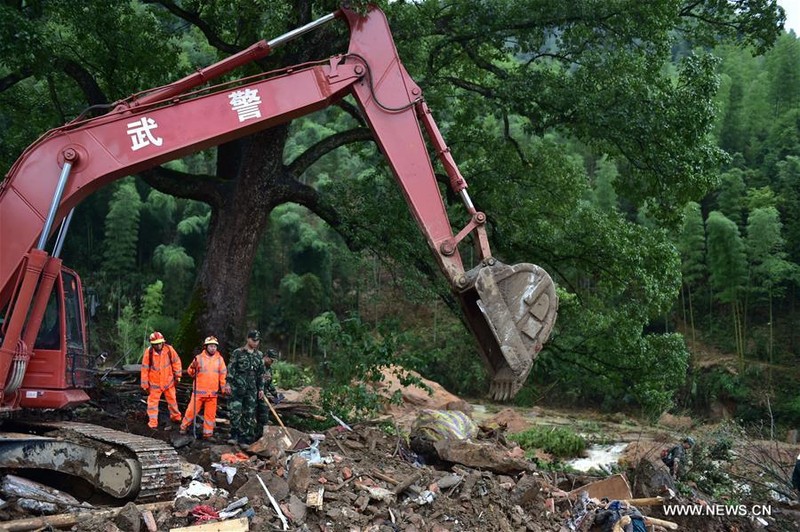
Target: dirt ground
370	481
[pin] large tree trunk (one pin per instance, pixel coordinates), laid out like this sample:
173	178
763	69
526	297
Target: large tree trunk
234	233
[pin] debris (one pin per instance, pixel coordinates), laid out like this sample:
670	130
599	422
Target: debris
404	484
274	504
613	487
661	522
234	458
299	475
37	497
481	455
314	498
68	520
203	512
342	423
191	471
200	490
449	481
238	503
149	521
229	471
238	525
386	478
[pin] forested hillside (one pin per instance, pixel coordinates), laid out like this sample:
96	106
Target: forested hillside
646	154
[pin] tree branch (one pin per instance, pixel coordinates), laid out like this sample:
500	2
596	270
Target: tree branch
85	80
352	110
205	188
303	161
473	87
12	79
193	18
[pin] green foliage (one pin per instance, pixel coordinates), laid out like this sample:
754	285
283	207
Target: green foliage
122	231
152	305
353	357
129	334
558	441
291	376
726	257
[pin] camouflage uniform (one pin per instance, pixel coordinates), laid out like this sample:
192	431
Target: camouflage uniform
246	410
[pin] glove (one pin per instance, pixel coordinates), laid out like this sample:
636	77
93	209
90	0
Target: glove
146	388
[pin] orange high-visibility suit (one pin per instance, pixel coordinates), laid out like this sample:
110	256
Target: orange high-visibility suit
160	372
210	374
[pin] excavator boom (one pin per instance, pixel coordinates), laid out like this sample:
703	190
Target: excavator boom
510	309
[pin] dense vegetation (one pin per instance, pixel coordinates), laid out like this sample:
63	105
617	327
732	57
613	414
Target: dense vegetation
645	153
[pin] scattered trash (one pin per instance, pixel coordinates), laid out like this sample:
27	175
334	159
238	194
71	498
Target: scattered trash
426	497
229	471
341	423
234	458
204	513
200	490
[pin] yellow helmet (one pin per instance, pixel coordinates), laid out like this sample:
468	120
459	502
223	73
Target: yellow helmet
211	340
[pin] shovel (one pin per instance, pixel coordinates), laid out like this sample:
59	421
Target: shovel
286	439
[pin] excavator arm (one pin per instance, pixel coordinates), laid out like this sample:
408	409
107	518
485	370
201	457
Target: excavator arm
510	309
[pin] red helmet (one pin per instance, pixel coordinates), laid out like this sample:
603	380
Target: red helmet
211	340
157	338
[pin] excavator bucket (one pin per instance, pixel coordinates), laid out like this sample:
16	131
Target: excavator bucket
511	311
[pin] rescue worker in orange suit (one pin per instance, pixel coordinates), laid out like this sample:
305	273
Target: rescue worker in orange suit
210	375
161	371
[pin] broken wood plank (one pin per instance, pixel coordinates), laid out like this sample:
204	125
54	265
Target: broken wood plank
314	499
669	525
68	520
404	484
647	501
232	525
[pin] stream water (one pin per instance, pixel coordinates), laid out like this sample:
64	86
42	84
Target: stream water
599	457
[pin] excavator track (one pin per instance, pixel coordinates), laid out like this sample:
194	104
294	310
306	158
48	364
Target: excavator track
133	465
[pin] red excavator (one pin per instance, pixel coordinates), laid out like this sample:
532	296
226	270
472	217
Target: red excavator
44	361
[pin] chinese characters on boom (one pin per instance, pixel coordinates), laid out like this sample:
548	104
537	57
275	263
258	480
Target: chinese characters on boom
245	102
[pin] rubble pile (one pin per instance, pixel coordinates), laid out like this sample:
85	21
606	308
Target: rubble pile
365	477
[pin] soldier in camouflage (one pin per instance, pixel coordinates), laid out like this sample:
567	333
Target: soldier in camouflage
269	386
246	380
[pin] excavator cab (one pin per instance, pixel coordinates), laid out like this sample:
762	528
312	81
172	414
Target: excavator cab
59	366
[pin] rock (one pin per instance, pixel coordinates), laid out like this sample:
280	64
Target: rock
487	456
438	399
273	443
129	518
184	504
511	419
449	481
252	488
298	509
527	491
